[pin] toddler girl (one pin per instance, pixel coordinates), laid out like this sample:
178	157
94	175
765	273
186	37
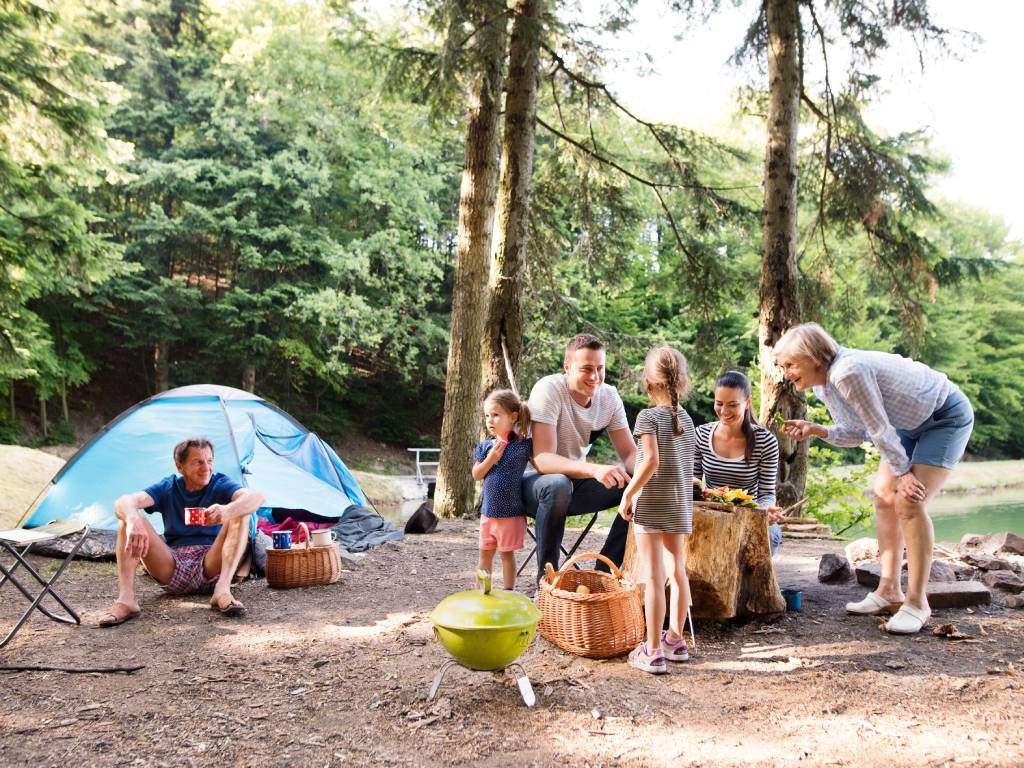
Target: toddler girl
500	462
659	500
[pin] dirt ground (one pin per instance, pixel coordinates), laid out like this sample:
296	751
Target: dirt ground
338	675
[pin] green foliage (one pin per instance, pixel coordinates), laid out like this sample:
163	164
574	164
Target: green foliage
282	181
52	144
837	493
60	433
8	433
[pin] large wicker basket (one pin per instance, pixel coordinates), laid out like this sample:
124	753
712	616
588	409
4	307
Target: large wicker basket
303	565
605	623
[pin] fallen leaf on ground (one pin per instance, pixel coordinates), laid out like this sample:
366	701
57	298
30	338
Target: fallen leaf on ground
950	631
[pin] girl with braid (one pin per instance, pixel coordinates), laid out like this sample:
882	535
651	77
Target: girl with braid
659	501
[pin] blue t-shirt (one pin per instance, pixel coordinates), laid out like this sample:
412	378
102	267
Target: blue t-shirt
170	499
503	483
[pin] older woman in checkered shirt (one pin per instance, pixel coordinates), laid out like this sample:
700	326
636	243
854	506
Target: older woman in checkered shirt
919	420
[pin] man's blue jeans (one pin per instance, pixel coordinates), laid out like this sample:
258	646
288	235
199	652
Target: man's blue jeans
549	499
774	537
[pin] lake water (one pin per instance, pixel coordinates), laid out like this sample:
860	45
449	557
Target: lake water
955	515
952	515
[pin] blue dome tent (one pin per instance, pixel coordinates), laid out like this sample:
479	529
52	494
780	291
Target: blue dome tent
255	443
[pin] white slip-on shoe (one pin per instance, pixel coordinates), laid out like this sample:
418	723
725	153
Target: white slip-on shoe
908	620
872	605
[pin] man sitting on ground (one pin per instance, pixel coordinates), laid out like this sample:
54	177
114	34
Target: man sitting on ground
188	559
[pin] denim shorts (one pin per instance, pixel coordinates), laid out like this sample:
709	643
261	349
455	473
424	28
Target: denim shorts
941	439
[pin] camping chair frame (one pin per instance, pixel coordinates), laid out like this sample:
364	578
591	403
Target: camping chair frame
568	553
19	550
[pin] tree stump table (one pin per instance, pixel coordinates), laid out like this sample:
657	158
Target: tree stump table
728	561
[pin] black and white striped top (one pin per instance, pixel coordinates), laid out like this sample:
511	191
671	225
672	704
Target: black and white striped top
756	477
666	501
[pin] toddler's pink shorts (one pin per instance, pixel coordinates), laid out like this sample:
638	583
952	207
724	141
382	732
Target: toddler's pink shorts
505	534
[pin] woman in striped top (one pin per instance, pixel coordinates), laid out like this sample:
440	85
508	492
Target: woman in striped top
737	451
659	500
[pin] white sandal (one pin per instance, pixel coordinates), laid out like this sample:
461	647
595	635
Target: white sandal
872	605
908	620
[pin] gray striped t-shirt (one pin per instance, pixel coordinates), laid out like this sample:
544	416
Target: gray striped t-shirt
666	501
551	403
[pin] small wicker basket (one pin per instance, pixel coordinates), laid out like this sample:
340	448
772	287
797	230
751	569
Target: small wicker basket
303	565
607	622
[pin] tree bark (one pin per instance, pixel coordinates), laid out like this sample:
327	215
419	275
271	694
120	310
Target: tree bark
162	365
43	422
64	399
249	378
728	562
503	329
455	487
779	290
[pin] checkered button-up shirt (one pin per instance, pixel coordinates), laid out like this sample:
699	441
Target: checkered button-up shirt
872	394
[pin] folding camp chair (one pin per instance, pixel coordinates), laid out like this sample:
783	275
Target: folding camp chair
568	553
18	542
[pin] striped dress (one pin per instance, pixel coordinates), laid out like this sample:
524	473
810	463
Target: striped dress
666	501
756	477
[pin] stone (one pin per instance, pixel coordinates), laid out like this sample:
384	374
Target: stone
859	550
986	562
963	571
1009	543
957	594
972	540
1005	543
941	571
351	559
941	594
1015	601
833	568
868	574
1005	580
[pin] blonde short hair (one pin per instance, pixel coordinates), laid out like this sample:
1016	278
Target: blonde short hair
808	340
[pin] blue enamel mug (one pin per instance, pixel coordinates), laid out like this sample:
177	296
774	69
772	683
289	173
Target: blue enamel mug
282	539
794	599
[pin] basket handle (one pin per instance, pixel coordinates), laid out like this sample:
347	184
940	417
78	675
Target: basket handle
305	530
585	556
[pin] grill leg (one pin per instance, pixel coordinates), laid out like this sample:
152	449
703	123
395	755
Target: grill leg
439	677
525	689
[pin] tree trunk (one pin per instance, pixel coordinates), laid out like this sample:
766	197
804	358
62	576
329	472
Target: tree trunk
503	330
249	378
455	487
44	424
14	412
728	562
64	399
162	365
779	290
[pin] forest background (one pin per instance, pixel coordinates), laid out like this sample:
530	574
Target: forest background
265	194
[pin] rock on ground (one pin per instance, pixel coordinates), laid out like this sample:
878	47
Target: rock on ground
833	568
859	550
942	571
995	543
986	562
1005	580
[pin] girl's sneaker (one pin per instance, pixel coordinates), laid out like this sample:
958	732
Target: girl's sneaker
641	658
675	650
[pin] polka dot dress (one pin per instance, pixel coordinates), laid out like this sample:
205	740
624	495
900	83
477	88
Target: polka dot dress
503	484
